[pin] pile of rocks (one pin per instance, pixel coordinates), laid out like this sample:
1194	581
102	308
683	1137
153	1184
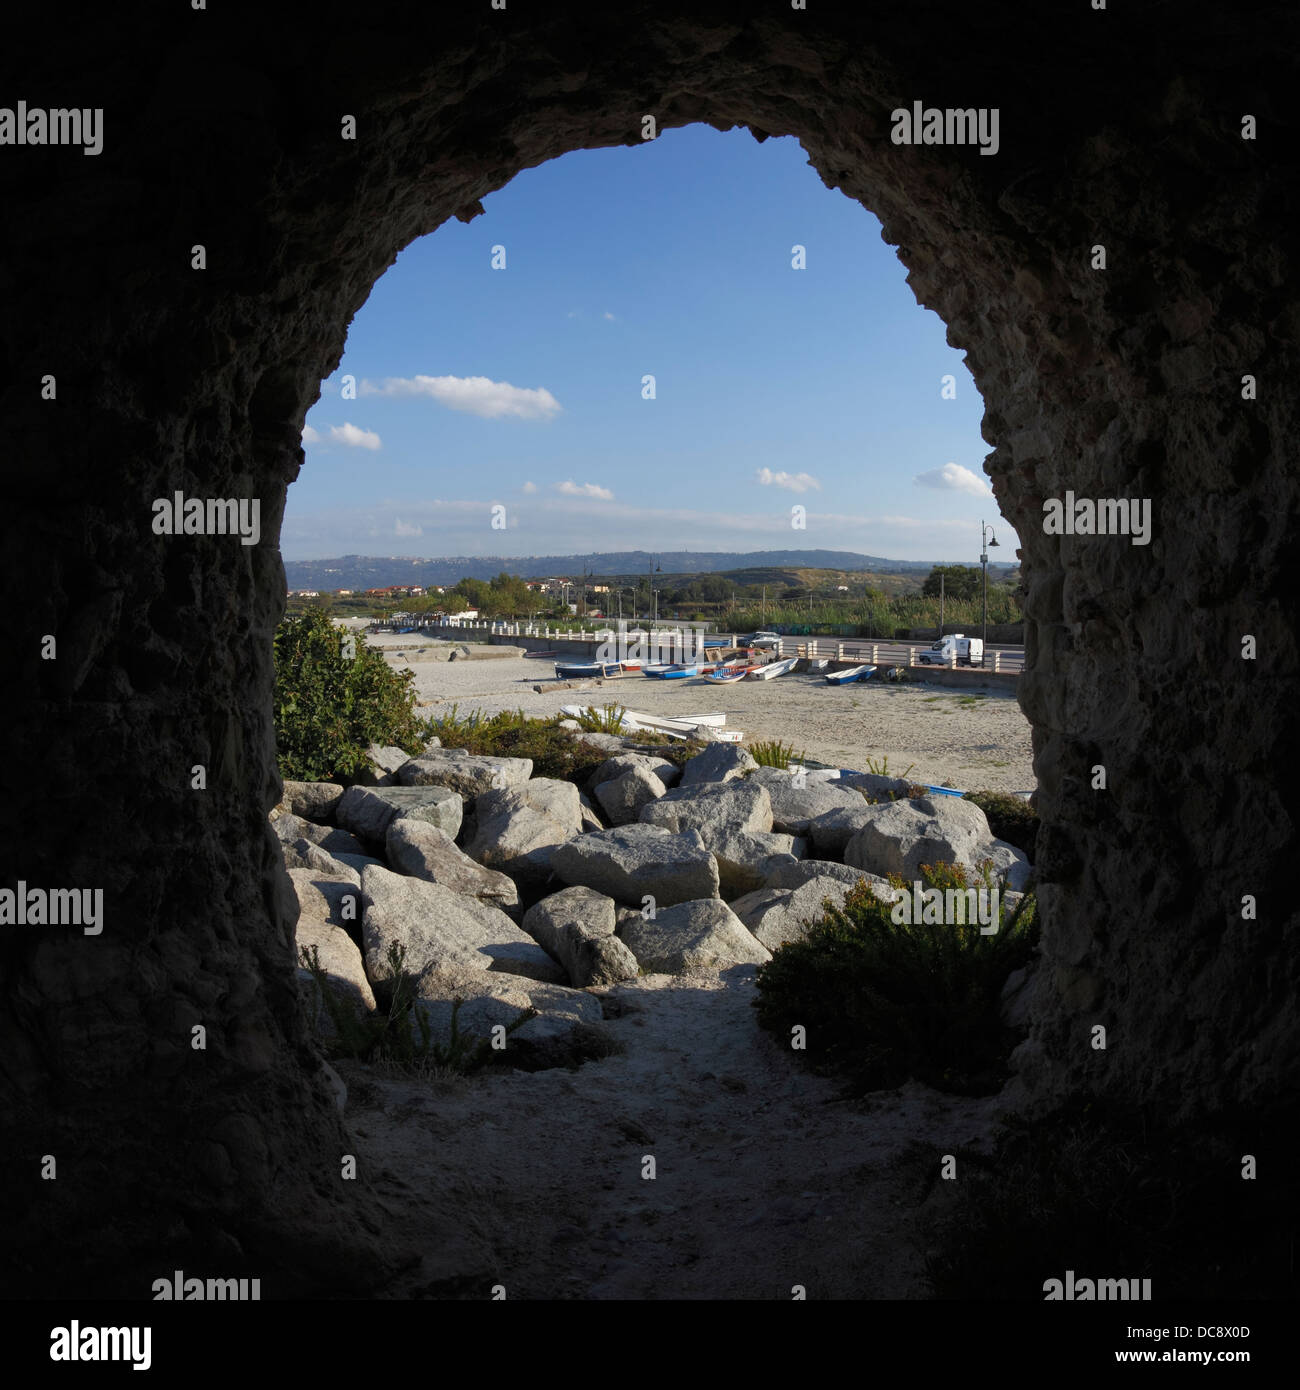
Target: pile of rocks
509	891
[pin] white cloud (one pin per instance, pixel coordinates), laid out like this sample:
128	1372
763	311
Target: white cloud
529	488
477	395
795	482
952	477
610	317
571	489
350	435
405	528
574	314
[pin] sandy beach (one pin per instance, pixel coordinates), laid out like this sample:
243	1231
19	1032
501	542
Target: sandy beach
947	736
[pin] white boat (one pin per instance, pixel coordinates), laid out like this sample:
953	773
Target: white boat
773	669
728	675
682	726
818	663
854	673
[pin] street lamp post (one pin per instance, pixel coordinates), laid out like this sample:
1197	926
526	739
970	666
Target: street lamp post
987	538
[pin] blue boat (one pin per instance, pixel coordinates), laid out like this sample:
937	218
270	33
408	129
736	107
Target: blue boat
677	673
582	670
854	673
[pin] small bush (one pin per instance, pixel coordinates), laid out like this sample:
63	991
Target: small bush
329	707
1011	818
768	754
883	1002
606	720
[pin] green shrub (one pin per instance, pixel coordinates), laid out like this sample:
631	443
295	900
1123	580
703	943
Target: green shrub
606	720
1011	818
882	1002
330	707
879	767
769	754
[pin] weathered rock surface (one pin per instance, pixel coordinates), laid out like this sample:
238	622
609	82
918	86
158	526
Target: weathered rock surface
876	787
900	836
797	802
518	830
576	926
612	768
832	830
368	811
470	774
719	762
340	960
797	874
302	854
776	915
748	858
423	851
695	935
718	810
313	801
623	797
440	928
633	861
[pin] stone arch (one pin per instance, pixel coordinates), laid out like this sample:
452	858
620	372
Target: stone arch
1117	383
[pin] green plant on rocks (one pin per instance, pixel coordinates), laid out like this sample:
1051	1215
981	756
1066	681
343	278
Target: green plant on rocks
1010	817
883	1002
773	754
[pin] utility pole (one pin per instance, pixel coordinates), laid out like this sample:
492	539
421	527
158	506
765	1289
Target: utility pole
942	577
764	605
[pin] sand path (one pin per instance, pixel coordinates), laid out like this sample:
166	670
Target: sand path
764	1180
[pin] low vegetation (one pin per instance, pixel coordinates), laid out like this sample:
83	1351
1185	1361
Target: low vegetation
883	1002
334	696
773	754
399	1036
1010	817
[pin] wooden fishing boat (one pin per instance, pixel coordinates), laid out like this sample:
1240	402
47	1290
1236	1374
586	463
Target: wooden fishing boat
728	675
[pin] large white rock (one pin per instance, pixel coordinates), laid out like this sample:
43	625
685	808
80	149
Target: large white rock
383	761
440	928
631	862
797	801
747	858
518	830
718	810
422	850
778	915
613	768
797	874
832	830
719	762
903	835
340	960
368	811
622	798
576	926
470	774
302	854
698	935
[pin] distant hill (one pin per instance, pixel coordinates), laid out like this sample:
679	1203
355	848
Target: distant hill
377	572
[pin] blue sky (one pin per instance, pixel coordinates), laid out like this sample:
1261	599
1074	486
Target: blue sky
522	387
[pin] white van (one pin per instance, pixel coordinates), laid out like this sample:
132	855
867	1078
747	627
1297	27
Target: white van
969	651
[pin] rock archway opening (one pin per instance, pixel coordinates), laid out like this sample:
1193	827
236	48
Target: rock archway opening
1119	377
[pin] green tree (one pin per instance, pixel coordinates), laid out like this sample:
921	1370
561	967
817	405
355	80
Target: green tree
960	582
334	696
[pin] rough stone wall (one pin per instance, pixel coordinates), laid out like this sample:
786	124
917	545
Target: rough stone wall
222	127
